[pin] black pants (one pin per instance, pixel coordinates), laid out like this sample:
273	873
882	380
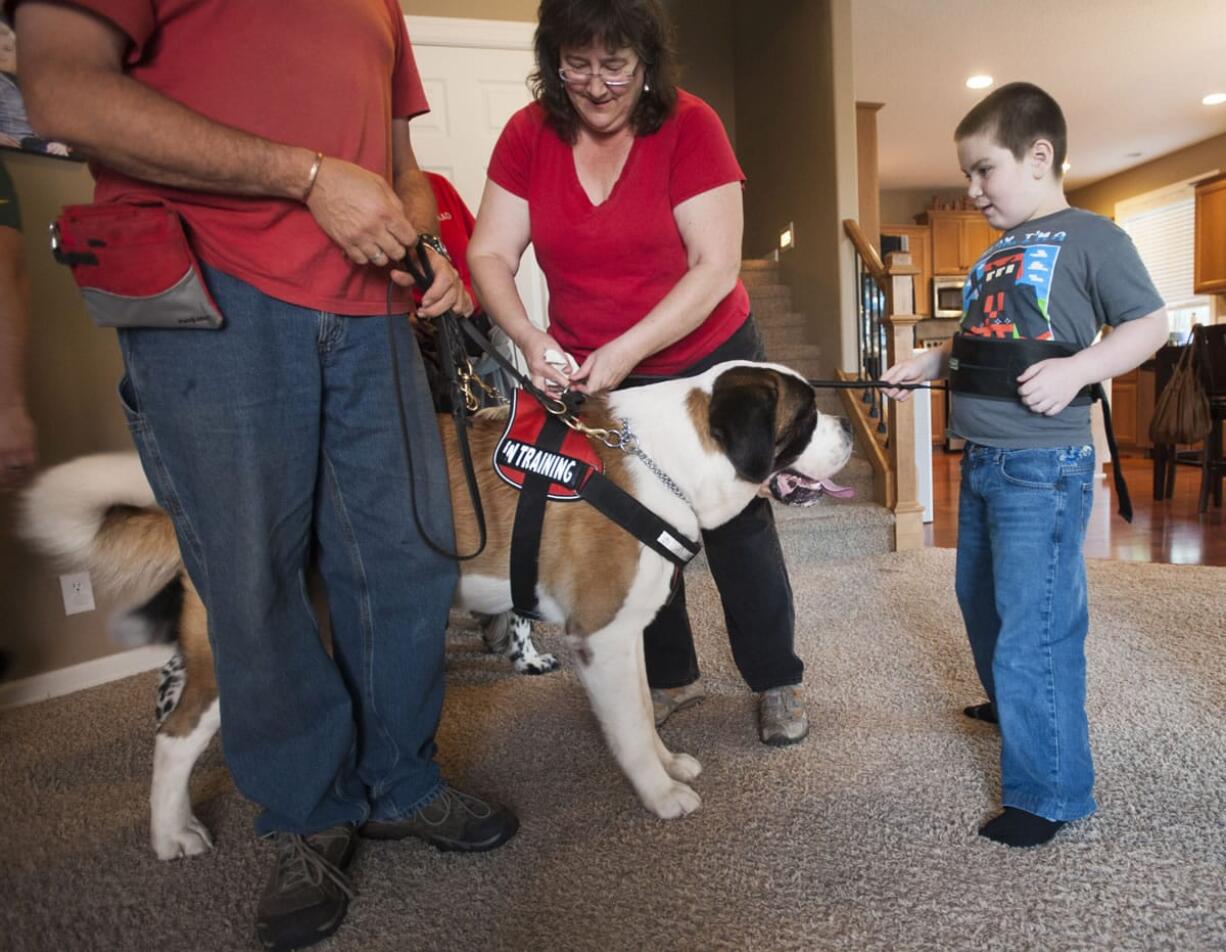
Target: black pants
747	564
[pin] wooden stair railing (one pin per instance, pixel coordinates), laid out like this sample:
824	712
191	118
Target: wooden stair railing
885	428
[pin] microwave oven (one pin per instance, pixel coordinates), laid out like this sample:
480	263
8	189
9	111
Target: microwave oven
947	295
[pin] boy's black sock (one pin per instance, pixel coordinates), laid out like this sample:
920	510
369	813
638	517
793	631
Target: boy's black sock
982	712
1016	827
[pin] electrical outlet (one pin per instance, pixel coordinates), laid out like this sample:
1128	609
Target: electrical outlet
78	593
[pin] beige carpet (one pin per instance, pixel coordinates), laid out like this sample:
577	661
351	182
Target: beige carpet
863	838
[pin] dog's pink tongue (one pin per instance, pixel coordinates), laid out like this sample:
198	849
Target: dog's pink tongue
834	489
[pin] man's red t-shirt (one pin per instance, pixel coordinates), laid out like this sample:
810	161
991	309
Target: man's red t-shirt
328	75
608	265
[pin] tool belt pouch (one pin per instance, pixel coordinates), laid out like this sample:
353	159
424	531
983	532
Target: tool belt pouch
987	367
134	266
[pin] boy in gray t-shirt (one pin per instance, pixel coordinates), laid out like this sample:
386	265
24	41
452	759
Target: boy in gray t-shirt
1057	273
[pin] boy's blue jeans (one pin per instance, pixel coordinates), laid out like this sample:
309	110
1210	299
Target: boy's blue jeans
1021	584
271	440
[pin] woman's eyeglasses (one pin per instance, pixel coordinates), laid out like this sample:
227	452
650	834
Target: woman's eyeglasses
615	82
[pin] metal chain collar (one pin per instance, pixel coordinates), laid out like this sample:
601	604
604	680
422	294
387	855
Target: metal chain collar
630	444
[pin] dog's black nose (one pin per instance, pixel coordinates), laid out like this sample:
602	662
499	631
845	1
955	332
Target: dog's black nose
845	424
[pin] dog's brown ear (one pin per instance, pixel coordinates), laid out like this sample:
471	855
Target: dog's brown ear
742	419
795	418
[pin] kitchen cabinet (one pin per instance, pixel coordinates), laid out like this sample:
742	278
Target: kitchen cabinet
958	239
920	244
938	417
1210	255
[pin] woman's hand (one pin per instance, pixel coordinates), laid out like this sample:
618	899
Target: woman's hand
1050	385
605	367
535	345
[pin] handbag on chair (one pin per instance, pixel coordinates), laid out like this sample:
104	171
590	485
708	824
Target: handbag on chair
1181	414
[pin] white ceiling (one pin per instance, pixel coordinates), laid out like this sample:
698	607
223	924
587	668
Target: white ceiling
1129	75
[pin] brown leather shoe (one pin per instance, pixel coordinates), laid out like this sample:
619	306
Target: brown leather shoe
308	895
451	821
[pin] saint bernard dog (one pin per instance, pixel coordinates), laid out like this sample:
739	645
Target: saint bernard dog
738	430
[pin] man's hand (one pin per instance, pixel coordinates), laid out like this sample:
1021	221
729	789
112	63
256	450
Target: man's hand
1050	385
18	448
445	294
360	212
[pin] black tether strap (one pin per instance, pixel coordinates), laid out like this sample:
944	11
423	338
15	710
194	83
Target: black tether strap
450	347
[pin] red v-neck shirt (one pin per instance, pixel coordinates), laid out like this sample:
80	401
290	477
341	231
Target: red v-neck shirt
608	265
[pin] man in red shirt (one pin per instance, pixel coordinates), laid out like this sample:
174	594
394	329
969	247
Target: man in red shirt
275	436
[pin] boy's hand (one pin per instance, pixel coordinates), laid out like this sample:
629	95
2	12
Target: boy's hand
1050	385
914	370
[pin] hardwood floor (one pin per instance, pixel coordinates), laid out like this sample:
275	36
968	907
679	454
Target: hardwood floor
1161	531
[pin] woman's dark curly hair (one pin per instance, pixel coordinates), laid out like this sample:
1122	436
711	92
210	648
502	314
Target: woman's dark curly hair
641	25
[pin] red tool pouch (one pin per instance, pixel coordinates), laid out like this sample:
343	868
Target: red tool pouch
134	266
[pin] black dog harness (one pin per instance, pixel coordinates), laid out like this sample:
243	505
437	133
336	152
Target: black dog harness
546	460
989	367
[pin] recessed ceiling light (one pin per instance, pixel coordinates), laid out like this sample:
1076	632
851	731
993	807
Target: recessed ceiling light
982	81
1213	99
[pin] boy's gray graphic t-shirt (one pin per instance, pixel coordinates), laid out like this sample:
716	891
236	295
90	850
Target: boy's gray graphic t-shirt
1060	277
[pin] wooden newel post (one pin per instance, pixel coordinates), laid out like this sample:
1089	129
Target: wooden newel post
908	513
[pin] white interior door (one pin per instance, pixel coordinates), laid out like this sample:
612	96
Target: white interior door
475	75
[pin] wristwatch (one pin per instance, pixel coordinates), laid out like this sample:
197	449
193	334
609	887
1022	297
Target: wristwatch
433	242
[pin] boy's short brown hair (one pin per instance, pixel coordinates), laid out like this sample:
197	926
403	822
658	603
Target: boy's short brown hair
1016	116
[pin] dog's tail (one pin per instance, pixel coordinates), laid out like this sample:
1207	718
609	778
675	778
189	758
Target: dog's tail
98	514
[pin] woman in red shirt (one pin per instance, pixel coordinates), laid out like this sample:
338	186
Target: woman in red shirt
630	193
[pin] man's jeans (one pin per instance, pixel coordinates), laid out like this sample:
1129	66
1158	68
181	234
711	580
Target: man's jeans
1021	585
270	441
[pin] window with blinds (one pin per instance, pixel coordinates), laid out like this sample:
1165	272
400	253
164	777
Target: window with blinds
1164	235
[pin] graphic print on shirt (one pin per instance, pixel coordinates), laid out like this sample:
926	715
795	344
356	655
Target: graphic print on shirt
1008	294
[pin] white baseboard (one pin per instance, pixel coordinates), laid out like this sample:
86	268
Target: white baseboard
88	674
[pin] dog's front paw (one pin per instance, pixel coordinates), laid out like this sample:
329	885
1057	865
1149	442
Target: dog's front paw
676	800
192	840
682	767
537	664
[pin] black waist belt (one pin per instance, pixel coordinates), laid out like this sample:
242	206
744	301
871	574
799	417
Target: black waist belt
987	367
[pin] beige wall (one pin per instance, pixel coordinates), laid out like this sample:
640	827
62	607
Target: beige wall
473	9
705	48
790	154
1165	170
73	369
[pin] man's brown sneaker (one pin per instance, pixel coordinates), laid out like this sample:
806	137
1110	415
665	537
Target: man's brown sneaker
307	897
451	821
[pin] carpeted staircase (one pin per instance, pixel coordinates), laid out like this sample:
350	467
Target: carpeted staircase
833	527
